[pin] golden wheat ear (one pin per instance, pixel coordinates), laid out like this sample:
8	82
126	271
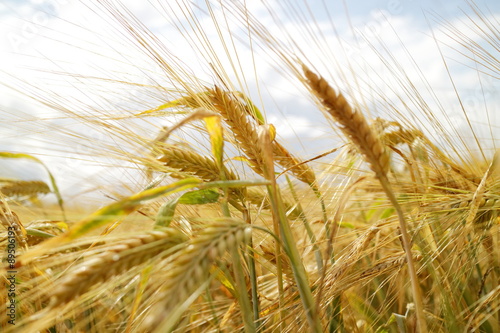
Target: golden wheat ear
19	188
191	268
114	260
191	163
352	122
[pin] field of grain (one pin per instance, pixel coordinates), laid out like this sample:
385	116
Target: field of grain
212	222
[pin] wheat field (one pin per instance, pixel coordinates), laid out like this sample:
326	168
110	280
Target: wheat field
201	217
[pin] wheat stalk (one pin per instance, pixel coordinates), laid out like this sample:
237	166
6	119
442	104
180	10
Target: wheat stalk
283	231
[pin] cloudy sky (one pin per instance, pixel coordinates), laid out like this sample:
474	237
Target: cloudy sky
41	40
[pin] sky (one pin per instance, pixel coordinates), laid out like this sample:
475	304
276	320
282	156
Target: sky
41	40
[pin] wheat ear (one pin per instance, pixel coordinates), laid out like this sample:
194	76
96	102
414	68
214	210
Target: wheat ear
344	264
24	187
114	260
242	128
188	161
300	170
238	115
354	125
10	221
190	268
235	114
352	122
